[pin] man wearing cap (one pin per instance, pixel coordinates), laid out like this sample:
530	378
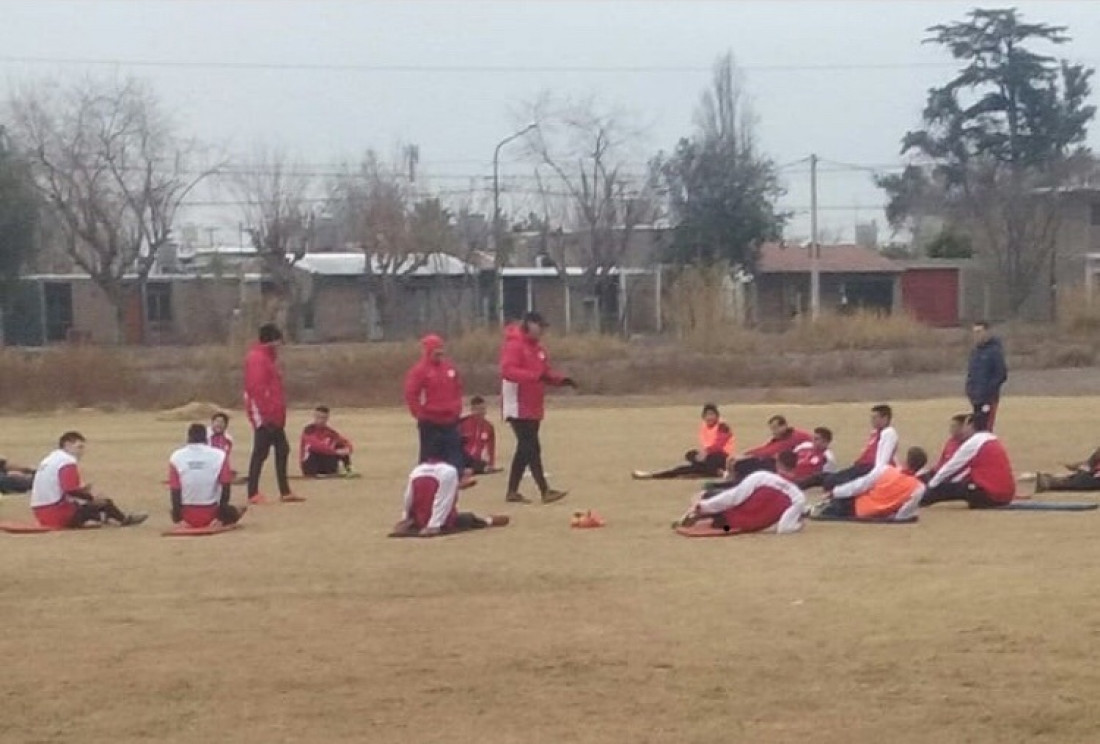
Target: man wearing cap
433	393
525	372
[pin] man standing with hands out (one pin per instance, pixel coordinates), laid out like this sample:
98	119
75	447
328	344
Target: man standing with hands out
433	393
265	405
525	372
985	375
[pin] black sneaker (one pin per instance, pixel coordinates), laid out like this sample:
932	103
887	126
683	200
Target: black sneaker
134	519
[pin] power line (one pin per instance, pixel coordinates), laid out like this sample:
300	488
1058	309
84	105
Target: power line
458	69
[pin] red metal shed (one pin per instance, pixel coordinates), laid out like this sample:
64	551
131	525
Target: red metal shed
930	293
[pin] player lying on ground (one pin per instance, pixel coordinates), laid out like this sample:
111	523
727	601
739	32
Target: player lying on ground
762	501
431	504
479	439
784	438
1084	476
881	449
887	492
15	478
199	480
322	450
979	473
716	446
61	500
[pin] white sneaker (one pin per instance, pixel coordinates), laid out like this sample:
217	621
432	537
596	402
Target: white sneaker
641	475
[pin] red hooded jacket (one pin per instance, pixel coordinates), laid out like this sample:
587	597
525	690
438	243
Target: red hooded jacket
525	371
264	397
433	389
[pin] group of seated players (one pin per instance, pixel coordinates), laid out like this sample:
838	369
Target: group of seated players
200	478
763	488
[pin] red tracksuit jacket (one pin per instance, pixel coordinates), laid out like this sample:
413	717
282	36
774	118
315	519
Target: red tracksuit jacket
479	439
320	440
433	389
775	446
264	397
525	371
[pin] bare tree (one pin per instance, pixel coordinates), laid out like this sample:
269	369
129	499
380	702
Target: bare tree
274	193
113	172
582	155
399	235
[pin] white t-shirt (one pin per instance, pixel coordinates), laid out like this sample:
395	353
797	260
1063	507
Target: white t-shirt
199	471
56	475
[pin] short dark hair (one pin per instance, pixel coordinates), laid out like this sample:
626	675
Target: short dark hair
477	400
322	409
778	420
70	437
825	433
196	434
221	415
884	410
959	418
710	408
787	460
916	458
269	333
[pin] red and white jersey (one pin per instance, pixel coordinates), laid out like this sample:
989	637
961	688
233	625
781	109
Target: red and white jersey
983	461
223	441
431	495
56	476
812	461
199	471
881	448
791	521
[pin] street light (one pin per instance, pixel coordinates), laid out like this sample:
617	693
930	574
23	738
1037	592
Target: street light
496	187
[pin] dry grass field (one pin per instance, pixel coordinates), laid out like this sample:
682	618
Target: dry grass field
310	626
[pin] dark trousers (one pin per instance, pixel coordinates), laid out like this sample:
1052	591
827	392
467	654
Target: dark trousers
812	481
441	442
983	421
474	464
974	497
750	465
711	466
467	521
96	511
263	440
316	464
832	480
15	482
528	455
1080	481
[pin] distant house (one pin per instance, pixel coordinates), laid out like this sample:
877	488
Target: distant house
852	277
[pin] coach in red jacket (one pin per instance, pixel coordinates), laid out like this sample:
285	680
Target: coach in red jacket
433	393
265	405
525	372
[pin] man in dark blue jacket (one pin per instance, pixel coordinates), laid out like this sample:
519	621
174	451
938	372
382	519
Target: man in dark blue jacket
984	376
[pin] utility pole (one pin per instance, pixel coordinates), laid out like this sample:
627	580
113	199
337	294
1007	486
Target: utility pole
815	249
495	233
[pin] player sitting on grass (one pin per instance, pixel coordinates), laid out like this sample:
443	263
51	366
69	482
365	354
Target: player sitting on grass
814	459
887	492
1084	476
200	480
479	439
784	438
955	438
217	434
15	478
323	450
61	500
881	448
979	473
716	445
431	504
761	501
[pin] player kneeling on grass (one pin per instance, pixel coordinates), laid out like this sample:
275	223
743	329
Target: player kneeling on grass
322	450
887	492
61	500
979	473
431	504
200	480
761	501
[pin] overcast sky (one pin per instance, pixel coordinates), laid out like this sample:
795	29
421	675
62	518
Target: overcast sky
841	79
